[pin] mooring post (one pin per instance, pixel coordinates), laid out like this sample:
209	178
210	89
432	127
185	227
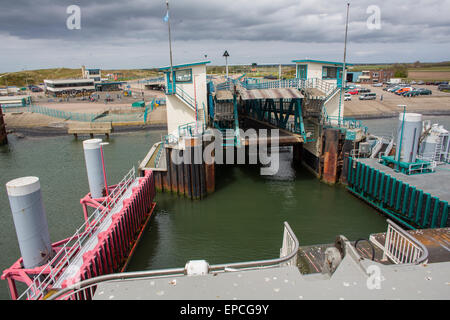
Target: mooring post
94	167
30	221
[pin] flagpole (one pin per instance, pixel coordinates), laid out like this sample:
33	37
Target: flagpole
170	46
344	73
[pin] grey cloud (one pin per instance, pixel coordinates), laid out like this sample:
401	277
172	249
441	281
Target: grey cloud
285	26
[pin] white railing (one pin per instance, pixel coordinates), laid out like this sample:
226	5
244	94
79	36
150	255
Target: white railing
62	259
86	288
402	248
289	245
438	158
416	168
324	86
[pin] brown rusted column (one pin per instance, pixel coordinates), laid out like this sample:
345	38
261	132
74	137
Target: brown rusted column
331	139
158	181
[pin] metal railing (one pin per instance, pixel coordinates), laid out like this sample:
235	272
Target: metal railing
401	248
438	158
86	288
326	87
183	95
83	117
62	259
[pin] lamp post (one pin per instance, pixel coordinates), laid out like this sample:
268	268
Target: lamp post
401	138
226	55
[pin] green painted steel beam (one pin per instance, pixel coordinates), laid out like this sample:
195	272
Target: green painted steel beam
412	203
444	215
437	204
419	207
427	210
405	197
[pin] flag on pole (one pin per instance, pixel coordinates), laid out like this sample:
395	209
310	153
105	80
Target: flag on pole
166	17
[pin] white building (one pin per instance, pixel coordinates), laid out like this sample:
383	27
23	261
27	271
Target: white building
94	74
328	71
69	85
186	95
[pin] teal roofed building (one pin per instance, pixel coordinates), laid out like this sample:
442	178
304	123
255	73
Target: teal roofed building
330	71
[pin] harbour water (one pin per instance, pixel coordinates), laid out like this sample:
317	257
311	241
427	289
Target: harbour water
242	221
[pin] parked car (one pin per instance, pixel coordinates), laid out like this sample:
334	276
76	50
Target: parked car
402	90
353	92
36	89
364	90
347	97
377	85
442	87
395	88
423	91
411	93
368	96
420	82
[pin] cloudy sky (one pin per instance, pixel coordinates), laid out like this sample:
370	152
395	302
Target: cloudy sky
132	34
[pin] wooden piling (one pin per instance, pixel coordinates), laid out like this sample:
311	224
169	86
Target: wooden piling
3	135
173	173
158	180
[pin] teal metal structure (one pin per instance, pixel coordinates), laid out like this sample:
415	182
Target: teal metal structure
410	206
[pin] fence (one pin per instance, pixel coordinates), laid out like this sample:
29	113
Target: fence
106	116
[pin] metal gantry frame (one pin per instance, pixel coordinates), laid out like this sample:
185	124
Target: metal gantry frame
285	114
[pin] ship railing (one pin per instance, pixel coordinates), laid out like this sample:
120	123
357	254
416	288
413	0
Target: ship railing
439	158
62	259
402	248
85	289
421	167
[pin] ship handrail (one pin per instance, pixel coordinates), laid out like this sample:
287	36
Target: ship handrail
402	248
80	287
46	278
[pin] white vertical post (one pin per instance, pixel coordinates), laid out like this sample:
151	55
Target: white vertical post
94	167
29	217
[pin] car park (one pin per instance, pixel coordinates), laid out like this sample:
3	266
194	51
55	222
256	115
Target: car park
368	96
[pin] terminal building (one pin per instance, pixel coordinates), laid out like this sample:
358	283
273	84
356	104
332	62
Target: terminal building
94	74
58	87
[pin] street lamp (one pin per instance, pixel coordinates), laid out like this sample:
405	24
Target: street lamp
226	55
401	138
